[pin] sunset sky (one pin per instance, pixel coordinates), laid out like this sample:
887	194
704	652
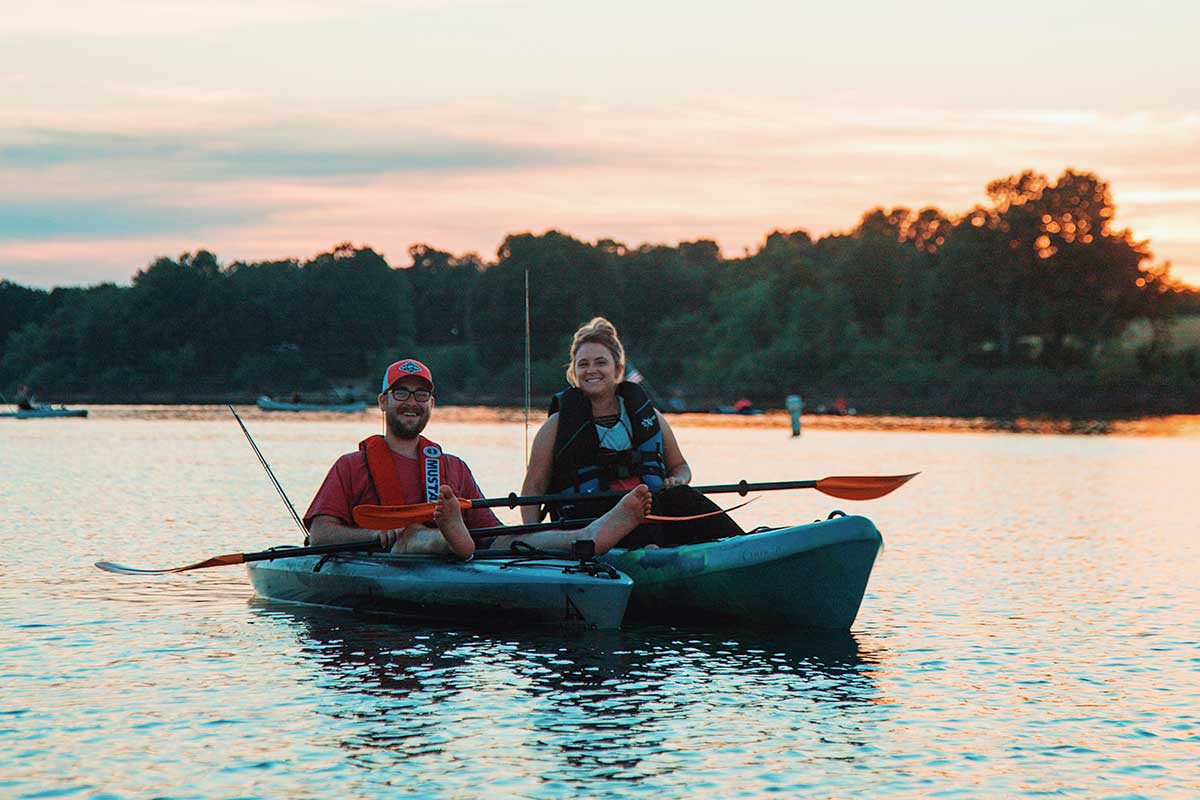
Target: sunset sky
136	128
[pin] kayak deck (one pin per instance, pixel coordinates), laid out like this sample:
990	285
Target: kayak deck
812	575
502	588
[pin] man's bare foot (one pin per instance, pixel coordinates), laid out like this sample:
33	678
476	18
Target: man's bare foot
450	521
626	515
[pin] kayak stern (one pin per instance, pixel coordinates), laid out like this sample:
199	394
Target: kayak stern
804	576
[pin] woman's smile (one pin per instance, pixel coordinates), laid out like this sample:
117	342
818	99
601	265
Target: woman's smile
596	369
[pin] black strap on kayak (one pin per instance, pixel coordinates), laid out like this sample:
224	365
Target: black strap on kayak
596	569
526	550
526	555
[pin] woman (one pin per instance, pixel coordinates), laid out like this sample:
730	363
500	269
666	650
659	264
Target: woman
604	434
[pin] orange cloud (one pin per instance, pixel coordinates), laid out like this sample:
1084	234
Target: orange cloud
462	176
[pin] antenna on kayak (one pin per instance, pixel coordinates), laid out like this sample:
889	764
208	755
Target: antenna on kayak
274	480
528	366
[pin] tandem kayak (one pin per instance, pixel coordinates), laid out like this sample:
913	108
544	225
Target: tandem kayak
811	575
267	404
494	588
45	412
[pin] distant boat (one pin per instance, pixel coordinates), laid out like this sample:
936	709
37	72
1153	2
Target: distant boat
744	411
267	404
45	412
833	411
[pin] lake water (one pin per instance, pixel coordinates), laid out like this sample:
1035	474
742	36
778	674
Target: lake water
1032	628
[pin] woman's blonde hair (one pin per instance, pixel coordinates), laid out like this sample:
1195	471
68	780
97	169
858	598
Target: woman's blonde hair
600	331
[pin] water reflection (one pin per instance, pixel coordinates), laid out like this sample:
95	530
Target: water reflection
1030	629
578	707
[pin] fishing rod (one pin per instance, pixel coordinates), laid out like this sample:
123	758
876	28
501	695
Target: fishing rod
267	467
528	367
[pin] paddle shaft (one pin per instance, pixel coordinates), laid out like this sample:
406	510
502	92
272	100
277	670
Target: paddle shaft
316	550
741	487
373	544
361	545
366	544
229	559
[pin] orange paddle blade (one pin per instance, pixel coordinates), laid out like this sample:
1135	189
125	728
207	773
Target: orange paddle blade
385	518
863	487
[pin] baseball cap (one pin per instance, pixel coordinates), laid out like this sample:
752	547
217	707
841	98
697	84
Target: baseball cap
406	368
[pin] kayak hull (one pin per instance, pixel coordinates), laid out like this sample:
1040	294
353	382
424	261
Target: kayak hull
811	575
45	413
492	590
267	404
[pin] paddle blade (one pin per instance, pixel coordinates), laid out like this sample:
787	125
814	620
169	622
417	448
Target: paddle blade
385	518
863	487
215	561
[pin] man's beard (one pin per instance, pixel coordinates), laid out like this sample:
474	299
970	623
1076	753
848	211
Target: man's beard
403	427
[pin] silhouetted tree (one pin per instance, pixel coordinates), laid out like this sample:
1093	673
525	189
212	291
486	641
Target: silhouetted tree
1003	306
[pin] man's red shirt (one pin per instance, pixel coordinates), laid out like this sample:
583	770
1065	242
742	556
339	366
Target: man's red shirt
348	484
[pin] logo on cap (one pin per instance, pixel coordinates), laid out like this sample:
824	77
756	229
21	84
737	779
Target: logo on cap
411	367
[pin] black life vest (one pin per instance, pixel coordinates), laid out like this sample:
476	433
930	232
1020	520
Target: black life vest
581	466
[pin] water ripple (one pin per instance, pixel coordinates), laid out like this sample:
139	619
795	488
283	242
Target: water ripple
1030	630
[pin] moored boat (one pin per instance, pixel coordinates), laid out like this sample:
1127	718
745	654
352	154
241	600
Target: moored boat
268	404
45	412
810	575
500	588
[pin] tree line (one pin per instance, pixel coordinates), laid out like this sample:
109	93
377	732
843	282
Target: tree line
1014	306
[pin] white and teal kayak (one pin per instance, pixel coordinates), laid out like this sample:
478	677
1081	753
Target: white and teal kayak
812	575
267	404
804	576
493	588
45	412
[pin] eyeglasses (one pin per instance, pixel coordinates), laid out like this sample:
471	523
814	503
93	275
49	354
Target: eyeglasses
400	394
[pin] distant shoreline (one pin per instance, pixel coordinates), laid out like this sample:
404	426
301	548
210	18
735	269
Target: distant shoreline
1146	425
1001	398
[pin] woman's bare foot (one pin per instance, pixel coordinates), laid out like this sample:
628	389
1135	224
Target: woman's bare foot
626	515
449	518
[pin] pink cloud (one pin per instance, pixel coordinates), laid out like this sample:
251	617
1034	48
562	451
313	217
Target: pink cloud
721	169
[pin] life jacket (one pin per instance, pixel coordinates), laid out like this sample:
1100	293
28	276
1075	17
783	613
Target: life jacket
581	466
386	480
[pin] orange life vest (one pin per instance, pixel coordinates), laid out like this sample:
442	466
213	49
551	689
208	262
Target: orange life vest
385	478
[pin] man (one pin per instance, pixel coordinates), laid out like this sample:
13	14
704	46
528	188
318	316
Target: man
24	398
402	467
